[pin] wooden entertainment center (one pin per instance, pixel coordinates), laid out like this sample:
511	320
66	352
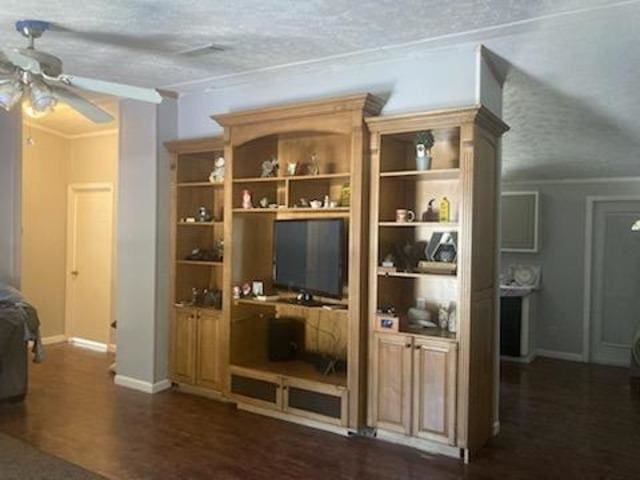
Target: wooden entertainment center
426	387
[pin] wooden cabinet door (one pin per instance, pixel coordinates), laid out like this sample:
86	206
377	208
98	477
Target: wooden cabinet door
183	344
391	383
434	390
208	361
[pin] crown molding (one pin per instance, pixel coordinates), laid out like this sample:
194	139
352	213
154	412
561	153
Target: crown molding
570	181
66	136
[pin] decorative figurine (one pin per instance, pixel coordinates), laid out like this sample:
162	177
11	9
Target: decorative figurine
443	316
292	168
246	200
264	202
217	174
424	141
304	203
246	289
313	168
204	215
218	250
430	215
236	292
270	168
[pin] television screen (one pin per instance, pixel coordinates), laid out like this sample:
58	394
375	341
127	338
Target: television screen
309	256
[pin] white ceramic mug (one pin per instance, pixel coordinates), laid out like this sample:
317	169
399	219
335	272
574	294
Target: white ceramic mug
403	215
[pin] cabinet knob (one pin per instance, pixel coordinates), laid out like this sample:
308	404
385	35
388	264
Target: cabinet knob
417	347
408	345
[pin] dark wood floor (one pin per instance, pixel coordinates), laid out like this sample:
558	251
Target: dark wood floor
559	420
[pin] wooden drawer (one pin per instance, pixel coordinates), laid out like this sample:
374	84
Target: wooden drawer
256	388
316	401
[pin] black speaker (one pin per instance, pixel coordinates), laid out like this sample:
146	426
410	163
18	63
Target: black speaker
285	337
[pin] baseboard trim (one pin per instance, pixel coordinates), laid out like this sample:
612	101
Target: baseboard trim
572	357
420	444
528	359
141	385
52	340
293	419
88	344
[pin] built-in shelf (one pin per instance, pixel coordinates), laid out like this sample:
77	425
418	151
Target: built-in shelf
199	224
433	225
296	369
329	307
429	332
336	210
199	262
441	174
200	184
415	275
293	178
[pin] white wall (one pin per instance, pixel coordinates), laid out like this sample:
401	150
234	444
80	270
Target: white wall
10	195
435	79
558	312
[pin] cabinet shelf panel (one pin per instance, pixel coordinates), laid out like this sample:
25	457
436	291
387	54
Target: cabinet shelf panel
199	185
198	262
432	225
417	275
436	174
296	369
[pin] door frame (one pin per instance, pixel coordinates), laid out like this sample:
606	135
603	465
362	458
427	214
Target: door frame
72	189
591	202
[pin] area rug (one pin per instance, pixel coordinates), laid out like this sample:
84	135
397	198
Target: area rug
20	461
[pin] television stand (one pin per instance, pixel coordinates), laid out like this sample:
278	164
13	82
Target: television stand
310	302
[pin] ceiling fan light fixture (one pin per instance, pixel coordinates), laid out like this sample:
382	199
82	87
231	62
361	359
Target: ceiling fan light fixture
10	94
41	97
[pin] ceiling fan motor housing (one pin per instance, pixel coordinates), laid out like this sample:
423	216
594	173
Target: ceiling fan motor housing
32	28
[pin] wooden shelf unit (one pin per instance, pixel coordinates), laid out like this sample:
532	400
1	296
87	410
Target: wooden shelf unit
198	339
333	129
443	397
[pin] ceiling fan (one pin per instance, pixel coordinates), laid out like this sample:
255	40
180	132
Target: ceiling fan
36	78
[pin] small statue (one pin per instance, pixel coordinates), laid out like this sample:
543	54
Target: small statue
270	168
217	174
246	200
204	215
453	318
389	261
443	316
292	168
313	168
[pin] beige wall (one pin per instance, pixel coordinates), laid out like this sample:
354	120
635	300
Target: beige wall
44	200
49	167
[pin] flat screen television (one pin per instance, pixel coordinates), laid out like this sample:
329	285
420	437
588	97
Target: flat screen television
309	256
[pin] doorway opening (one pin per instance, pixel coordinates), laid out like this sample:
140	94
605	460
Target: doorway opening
69	191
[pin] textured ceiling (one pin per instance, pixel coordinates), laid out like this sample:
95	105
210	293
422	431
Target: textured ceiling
570	97
136	41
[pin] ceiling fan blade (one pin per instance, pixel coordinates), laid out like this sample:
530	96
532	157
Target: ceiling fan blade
6	67
24	62
118	89
83	106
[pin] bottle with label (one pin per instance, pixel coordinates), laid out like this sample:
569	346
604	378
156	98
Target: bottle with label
444	210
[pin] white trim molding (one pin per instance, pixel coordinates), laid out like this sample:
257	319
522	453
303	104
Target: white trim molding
53	339
88	344
570	181
141	385
69	136
588	254
570	356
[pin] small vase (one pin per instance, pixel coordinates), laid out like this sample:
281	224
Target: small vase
423	157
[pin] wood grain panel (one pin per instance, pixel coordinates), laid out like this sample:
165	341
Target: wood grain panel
391	382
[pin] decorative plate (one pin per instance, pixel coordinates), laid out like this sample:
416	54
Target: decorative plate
525	275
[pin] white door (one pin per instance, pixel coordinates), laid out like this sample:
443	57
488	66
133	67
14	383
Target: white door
89	262
615	281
